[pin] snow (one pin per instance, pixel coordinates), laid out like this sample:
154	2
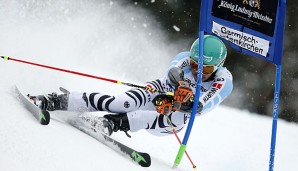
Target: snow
176	28
89	38
225	139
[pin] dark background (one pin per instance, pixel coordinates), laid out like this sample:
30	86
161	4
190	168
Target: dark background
254	79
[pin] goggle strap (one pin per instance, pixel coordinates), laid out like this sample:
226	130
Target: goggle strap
221	63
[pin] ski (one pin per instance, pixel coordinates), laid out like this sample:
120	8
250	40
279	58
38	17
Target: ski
90	124
87	123
143	159
42	116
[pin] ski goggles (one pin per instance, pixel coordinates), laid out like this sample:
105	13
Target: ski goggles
207	69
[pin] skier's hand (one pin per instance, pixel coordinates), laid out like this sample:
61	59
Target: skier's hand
187	107
163	104
182	94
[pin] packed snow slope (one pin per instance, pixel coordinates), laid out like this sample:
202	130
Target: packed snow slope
121	42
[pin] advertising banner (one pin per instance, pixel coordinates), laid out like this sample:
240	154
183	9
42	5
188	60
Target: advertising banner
254	14
247	41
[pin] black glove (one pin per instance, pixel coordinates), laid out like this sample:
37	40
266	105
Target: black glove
187	107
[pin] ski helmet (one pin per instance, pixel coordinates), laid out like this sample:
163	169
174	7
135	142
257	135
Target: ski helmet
215	51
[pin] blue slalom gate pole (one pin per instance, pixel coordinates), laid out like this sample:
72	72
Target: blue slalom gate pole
202	29
198	89
275	116
196	101
278	56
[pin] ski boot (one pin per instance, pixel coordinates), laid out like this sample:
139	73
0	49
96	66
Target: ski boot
115	122
53	101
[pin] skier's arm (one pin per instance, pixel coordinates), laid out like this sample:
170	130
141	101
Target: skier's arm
221	88
166	103
173	82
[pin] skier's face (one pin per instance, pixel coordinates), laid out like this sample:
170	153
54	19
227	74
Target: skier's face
205	77
207	70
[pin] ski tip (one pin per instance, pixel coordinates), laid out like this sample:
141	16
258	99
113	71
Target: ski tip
143	159
146	163
44	117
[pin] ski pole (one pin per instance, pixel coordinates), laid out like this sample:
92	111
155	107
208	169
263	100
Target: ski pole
82	74
177	137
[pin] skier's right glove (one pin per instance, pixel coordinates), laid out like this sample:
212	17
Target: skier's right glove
182	94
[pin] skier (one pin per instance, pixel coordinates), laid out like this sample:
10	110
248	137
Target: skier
138	108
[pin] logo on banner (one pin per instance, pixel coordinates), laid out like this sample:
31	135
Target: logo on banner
244	40
250	13
252	3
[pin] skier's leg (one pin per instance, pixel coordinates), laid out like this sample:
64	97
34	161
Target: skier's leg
135	99
152	121
155	123
88	102
128	101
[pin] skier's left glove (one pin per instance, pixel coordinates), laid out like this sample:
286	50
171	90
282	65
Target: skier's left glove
182	94
163	104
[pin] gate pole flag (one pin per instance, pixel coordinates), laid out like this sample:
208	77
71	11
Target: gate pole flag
253	27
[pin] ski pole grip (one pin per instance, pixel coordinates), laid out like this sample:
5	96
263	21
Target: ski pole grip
5	57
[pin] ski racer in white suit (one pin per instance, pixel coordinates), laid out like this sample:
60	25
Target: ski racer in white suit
138	109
